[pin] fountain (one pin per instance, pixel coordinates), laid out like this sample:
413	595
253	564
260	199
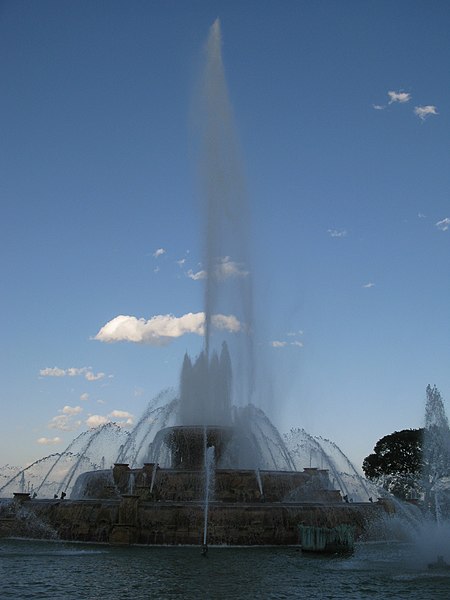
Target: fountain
205	466
433	534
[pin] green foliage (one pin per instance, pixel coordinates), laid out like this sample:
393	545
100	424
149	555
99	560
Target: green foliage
396	462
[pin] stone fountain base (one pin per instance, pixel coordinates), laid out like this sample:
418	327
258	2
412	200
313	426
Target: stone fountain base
165	506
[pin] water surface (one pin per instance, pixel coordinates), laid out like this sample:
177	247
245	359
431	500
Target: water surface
56	570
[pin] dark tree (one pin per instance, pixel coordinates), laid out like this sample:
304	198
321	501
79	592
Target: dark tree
396	462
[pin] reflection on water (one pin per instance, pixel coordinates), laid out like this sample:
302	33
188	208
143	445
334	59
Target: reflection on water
55	570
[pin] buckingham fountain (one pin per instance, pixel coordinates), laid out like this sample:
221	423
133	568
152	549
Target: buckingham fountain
204	465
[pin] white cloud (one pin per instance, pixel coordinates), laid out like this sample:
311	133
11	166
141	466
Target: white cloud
181	262
444	224
122	418
337	233
400	97
71	410
425	111
295	333
71	372
421	216
52	372
90	376
226	322
159	252
44	441
196	276
161	329
277	344
297	343
227	268
63	422
378	106
156	270
84	396
368	285
96	420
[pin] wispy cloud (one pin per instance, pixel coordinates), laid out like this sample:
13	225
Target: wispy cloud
444	224
84	397
45	441
368	285
400	97
278	344
87	372
423	112
421	215
283	344
181	262
158	252
337	233
197	276
227	268
64	423
378	106
162	329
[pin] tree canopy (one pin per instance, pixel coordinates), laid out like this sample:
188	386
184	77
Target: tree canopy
396	461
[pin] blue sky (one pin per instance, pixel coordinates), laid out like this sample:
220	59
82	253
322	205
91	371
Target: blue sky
342	110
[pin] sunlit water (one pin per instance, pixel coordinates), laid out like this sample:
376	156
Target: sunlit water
55	570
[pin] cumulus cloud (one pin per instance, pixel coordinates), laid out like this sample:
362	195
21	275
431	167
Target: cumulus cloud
400	97
71	372
122	418
96	420
424	112
158	252
71	410
162	329
337	233
196	276
444	224
45	441
84	396
368	285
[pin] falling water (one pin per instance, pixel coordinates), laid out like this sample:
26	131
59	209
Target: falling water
258	479
209	487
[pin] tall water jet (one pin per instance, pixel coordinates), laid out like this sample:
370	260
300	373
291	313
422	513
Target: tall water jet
225	207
